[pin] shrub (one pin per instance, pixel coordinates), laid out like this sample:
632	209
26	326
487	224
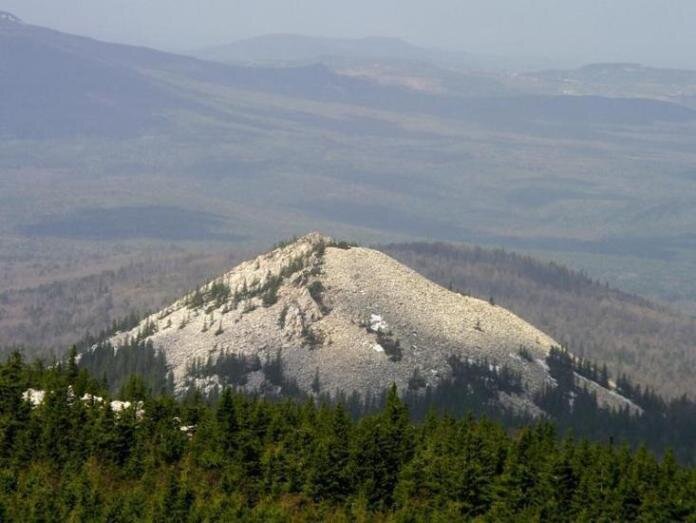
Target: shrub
525	354
391	346
316	291
270	294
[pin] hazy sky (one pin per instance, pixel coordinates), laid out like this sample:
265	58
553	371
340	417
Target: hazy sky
658	32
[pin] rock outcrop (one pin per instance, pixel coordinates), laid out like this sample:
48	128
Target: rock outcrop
342	318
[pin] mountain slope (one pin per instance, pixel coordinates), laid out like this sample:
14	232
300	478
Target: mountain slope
54	84
340	318
653	344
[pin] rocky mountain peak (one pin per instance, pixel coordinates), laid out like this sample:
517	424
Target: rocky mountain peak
326	316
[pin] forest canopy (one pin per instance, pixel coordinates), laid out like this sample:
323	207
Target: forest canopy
73	456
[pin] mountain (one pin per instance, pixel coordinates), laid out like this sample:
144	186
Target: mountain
650	343
105	146
292	48
58	85
327	316
55	84
287	49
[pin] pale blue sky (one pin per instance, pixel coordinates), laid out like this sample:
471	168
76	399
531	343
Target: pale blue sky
656	32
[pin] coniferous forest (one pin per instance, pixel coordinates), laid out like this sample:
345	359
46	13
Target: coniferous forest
74	457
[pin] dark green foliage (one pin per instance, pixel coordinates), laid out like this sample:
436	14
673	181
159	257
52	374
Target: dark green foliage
316	291
134	389
472	388
274	373
574	408
195	300
147	330
231	368
285	243
133	357
524	353
416	381
316	383
312	337
125	324
243	458
294	266
270	294
391	345
342	245
273	370
592	372
219	293
215	295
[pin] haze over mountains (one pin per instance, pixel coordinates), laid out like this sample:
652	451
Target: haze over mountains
441	67
288	48
385	145
496	322
94	83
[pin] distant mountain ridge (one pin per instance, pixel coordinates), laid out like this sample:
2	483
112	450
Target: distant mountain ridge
276	48
56	84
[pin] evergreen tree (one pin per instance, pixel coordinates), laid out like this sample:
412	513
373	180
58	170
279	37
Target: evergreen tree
245	458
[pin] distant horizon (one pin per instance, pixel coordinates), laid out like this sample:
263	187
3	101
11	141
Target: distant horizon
523	31
432	48
222	44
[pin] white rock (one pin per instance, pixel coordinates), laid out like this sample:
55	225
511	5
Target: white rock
377	323
118	406
34	396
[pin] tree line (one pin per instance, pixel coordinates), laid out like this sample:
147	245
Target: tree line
242	457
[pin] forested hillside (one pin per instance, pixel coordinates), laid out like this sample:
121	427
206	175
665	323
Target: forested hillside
74	456
653	344
48	316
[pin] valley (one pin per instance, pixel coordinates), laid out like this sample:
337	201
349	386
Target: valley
600	184
257	265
